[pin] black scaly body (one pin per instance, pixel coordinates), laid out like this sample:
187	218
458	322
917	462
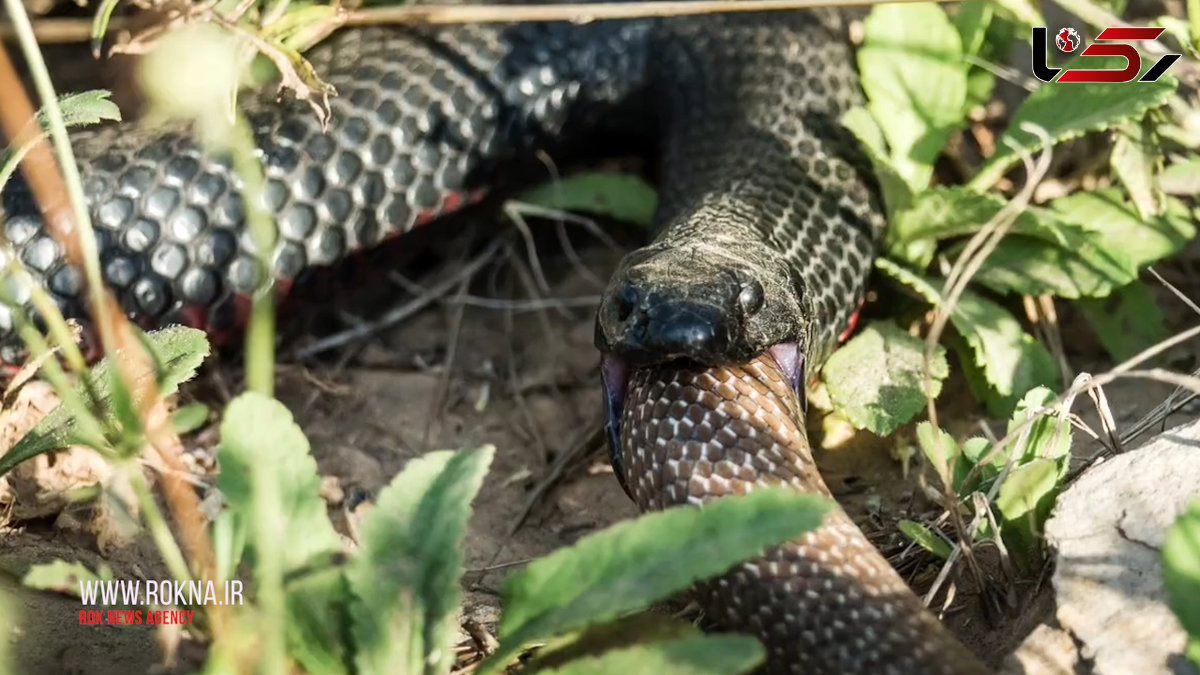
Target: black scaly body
767	219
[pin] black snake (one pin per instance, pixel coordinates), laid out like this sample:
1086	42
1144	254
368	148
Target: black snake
765	233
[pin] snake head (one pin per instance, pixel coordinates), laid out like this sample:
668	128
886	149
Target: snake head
698	301
695	302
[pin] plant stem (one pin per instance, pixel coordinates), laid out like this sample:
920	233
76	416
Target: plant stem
156	522
260	332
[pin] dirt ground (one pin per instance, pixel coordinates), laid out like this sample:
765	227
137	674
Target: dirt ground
492	362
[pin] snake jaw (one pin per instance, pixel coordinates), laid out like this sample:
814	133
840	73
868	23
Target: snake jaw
614	375
790	360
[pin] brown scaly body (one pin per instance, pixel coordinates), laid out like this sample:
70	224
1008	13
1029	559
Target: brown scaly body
827	602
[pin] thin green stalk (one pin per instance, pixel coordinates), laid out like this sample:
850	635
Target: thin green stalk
260	332
66	159
157	524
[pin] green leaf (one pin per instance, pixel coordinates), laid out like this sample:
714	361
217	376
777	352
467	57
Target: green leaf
81	109
876	380
1067	112
1181	574
975	449
944	453
896	194
61	576
631	564
621	196
406	576
1024	500
1010	360
1049	437
177	351
87	107
260	431
189	418
633	630
270	481
925	538
1117	227
1136	160
972	21
1040	254
1127	321
912	71
1181	178
1029	266
704	655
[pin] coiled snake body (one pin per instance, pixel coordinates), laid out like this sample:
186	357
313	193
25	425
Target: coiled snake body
764	236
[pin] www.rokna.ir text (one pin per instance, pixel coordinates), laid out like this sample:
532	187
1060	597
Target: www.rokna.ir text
136	596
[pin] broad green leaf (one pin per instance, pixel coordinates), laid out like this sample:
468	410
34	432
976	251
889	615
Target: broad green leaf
1068	111
1029	266
621	196
925	538
61	576
896	194
975	449
1117	227
177	351
1049	437
1181	178
405	578
1181	574
1127	321
876	380
946	212
634	563
912	71
1024	500
1136	160
260	431
703	655
270	482
1010	360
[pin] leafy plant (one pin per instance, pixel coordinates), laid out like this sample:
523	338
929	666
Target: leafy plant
399	591
1181	575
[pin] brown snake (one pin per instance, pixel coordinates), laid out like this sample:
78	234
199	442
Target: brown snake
827	602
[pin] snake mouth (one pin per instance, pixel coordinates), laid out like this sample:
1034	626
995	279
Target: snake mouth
616	371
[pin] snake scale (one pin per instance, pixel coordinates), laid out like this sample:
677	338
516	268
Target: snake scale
764	236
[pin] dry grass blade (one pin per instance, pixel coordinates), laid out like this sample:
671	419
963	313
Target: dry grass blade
973	255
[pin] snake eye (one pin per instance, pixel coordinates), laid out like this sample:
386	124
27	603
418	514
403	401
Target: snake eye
750	298
627	299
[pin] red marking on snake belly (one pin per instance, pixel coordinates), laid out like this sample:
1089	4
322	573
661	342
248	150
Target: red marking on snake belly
451	202
853	323
194	316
